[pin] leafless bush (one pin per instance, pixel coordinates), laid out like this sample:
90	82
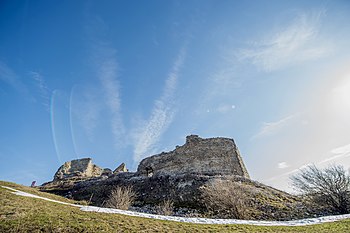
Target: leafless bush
329	187
225	199
166	207
121	198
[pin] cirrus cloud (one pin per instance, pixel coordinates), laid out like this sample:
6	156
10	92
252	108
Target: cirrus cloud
162	114
296	43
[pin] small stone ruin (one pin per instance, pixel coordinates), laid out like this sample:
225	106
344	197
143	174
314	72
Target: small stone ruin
84	169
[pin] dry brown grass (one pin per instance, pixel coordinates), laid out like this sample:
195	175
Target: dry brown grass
225	199
165	207
121	198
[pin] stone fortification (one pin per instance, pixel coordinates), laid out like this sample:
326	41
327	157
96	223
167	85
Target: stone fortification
179	176
79	168
211	156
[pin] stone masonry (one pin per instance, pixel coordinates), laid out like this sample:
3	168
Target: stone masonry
211	156
79	168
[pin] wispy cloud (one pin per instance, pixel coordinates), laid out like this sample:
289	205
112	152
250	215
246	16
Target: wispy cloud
86	108
161	116
224	108
107	72
287	174
338	153
270	128
282	165
295	43
8	76
104	61
218	88
43	89
222	82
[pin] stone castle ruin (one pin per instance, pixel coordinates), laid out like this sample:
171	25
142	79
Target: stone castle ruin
179	176
176	175
201	156
211	156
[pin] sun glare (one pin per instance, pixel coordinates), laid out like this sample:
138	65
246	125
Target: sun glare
341	95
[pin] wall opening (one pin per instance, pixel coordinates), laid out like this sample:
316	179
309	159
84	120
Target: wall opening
149	171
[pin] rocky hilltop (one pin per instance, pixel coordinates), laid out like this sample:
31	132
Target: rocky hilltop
179	176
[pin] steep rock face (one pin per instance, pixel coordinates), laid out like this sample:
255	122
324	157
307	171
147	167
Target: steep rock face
79	168
211	156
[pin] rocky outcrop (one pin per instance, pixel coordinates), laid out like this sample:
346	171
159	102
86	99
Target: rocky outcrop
106	172
177	175
120	168
78	168
211	156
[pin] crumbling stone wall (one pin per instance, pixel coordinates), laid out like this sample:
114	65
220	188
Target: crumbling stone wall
79	168
211	156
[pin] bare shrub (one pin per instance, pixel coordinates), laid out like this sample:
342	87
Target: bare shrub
165	207
121	198
225	199
329	187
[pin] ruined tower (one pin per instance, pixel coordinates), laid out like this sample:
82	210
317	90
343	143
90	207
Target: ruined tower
209	156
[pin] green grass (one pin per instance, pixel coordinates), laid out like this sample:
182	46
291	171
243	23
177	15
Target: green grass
24	214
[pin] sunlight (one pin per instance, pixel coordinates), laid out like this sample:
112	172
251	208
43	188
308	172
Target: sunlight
340	98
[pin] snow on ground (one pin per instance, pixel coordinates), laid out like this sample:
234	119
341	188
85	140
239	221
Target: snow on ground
20	193
301	222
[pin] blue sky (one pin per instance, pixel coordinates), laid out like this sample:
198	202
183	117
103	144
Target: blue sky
122	80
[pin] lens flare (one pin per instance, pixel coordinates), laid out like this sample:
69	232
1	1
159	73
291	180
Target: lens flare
340	99
52	117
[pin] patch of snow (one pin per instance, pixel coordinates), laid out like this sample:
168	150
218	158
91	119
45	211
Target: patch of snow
20	193
300	222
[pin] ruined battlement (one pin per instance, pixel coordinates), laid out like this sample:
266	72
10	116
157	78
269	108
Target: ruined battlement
78	168
84	169
209	156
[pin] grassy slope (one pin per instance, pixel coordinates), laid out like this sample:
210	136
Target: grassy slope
24	214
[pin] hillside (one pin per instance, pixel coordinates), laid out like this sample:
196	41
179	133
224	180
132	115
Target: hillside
185	176
25	214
